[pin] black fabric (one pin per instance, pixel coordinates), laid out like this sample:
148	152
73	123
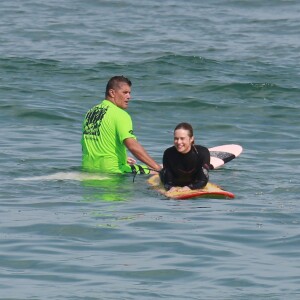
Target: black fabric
225	156
185	169
142	171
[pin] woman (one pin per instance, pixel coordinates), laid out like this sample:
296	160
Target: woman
185	165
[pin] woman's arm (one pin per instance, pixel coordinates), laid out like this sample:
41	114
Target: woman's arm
165	174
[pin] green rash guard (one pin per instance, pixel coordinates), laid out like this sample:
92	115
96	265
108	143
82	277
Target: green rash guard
105	127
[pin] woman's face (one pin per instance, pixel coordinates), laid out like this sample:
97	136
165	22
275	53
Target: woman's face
182	141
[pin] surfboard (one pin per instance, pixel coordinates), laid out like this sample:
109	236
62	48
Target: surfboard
211	190
220	155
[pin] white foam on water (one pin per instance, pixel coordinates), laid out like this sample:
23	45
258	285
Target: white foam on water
78	176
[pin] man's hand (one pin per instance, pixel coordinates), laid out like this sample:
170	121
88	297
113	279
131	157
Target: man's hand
131	161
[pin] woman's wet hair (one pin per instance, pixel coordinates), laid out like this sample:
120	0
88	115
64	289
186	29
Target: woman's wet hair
185	126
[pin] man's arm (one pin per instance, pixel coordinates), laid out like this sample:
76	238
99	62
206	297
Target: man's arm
140	153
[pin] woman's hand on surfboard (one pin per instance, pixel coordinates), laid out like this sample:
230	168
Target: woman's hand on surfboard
178	189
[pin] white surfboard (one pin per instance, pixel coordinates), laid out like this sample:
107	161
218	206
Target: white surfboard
220	155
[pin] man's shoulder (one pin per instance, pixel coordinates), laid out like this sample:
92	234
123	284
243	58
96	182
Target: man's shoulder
98	106
114	108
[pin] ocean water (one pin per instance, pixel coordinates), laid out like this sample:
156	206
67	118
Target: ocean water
229	67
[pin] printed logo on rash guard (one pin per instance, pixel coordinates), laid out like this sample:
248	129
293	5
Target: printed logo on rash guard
93	121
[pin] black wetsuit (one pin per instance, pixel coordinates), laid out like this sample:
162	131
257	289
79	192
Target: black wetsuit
189	169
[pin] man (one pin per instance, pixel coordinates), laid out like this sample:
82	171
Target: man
108	131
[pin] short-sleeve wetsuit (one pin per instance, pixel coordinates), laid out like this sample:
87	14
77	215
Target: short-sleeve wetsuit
105	128
189	169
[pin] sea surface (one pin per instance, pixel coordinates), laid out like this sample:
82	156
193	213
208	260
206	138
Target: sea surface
229	67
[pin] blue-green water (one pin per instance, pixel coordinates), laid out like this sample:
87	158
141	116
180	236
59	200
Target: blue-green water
229	67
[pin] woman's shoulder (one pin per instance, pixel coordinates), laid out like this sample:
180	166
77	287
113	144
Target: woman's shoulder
170	150
201	148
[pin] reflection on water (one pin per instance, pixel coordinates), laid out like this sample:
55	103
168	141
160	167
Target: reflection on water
116	187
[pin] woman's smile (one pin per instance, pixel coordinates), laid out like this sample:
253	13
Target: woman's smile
182	141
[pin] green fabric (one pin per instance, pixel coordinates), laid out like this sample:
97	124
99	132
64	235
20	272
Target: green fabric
105	127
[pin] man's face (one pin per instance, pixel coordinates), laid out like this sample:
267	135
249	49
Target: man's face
121	95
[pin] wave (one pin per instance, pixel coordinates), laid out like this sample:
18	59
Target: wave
76	176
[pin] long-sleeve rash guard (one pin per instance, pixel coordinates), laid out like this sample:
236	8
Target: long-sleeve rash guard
188	169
